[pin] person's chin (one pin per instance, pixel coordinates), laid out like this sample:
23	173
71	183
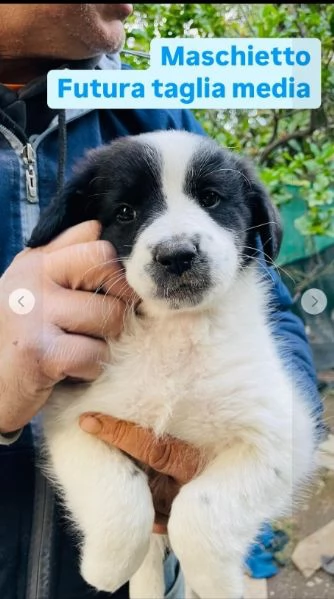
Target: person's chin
105	36
112	38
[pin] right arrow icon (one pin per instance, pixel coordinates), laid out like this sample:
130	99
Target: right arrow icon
314	301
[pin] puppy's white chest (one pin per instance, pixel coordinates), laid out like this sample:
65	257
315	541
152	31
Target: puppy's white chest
188	379
164	370
199	377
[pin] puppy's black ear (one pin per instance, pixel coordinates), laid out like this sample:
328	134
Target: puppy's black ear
267	221
75	204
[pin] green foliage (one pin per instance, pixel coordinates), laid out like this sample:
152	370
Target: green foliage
292	148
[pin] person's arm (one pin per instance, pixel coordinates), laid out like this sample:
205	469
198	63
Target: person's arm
296	350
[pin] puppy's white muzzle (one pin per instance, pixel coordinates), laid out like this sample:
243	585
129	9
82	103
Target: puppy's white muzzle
183	259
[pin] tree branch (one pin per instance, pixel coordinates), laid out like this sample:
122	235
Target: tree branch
318	271
275	127
282	141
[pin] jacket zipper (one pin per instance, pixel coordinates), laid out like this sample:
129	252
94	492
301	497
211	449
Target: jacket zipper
28	157
40	552
29	161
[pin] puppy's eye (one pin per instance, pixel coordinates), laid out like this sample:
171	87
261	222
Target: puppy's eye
125	214
209	199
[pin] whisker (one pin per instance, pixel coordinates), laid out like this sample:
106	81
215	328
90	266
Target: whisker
270	222
206	172
265	273
113	277
272	262
115	282
237	171
111	261
128	308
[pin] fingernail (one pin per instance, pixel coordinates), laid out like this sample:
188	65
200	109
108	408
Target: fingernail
91	425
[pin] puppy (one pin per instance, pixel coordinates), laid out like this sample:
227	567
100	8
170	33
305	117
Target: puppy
198	361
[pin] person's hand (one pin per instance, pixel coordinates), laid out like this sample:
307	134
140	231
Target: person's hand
169	463
64	335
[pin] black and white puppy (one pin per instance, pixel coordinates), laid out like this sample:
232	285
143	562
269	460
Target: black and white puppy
199	362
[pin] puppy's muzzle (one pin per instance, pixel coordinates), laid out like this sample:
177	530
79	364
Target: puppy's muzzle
176	260
180	271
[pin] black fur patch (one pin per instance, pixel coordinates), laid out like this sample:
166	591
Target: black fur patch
245	208
124	173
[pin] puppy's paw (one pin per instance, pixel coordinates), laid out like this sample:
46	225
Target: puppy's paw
207	555
150	588
149	581
109	568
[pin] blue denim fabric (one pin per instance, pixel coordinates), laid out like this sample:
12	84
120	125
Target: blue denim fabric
173	578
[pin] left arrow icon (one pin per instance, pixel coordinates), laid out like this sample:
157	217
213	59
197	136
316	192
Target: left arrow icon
21	301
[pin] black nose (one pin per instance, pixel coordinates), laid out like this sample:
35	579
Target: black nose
176	261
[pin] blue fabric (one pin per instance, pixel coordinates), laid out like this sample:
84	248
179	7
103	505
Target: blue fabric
260	562
16	463
174	581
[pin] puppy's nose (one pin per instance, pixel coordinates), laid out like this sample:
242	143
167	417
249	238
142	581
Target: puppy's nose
178	260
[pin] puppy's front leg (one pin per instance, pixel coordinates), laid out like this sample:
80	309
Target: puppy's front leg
148	582
109	500
216	517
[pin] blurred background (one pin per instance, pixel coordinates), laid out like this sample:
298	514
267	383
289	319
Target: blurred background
294	154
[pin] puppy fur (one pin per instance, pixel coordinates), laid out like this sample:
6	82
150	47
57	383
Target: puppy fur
197	360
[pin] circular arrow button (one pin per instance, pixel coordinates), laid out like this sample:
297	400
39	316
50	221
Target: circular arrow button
314	301
21	301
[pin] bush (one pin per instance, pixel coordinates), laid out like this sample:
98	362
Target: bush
292	148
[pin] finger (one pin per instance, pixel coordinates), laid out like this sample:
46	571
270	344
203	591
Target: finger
84	313
82	233
89	266
160	524
82	266
168	456
75	356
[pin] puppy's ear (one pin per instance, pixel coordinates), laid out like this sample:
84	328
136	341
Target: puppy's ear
266	220
75	204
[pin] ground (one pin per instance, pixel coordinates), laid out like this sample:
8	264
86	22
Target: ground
315	512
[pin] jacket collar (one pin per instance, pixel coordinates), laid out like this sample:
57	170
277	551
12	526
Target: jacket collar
104	62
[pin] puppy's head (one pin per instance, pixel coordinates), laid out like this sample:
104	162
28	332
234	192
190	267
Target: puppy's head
182	213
